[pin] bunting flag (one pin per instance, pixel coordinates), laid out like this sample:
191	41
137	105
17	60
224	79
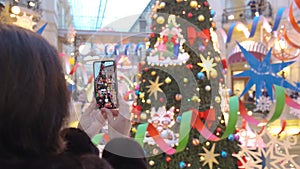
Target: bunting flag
41	30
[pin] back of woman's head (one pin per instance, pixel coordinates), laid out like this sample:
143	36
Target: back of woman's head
124	153
90	161
78	142
33	94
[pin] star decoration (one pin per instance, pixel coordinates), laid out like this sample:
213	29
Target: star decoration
25	21
209	156
154	87
263	74
268	152
207	65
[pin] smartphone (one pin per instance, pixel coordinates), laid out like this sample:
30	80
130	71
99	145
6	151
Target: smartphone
105	84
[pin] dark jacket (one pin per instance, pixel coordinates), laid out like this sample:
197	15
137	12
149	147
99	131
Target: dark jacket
65	161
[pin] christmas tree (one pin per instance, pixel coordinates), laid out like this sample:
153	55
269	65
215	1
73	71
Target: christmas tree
183	72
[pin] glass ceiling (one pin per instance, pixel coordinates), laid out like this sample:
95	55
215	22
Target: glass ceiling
96	14
88	14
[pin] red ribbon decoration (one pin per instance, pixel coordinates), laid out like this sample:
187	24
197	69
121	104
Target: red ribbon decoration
289	41
209	116
91	79
293	20
193	34
136	110
159	140
73	70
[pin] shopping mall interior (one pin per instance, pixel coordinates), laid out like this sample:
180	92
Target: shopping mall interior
85	31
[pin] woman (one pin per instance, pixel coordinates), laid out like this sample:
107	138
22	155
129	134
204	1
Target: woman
34	101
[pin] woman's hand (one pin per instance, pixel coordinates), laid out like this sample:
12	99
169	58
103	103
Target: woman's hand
118	126
91	121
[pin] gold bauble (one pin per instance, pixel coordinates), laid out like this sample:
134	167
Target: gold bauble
143	116
151	163
201	18
193	4
148	101
72	61
195	98
213	74
153	73
217	99
141	95
133	130
185	80
160	20
162	5
168	80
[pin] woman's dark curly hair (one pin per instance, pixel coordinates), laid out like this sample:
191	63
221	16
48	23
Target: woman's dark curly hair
34	97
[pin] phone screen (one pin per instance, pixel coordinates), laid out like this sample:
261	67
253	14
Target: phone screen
105	84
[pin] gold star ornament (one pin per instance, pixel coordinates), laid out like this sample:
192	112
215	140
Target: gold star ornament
154	87
209	157
207	65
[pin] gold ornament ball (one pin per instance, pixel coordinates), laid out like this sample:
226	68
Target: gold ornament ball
168	80
148	101
195	98
207	143
153	73
142	95
193	4
143	116
160	20
72	61
151	163
185	80
196	142
201	18
162	5
214	74
207	88
133	130
217	99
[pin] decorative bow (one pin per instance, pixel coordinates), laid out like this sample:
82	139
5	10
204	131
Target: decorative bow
208	115
193	34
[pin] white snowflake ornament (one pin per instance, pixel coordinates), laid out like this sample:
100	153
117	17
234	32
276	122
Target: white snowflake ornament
263	104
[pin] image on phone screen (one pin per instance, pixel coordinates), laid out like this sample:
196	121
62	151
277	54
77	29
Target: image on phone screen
105	84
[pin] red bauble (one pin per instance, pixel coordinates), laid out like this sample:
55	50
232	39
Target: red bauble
168	159
189	15
152	35
189	66
205	3
146	69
